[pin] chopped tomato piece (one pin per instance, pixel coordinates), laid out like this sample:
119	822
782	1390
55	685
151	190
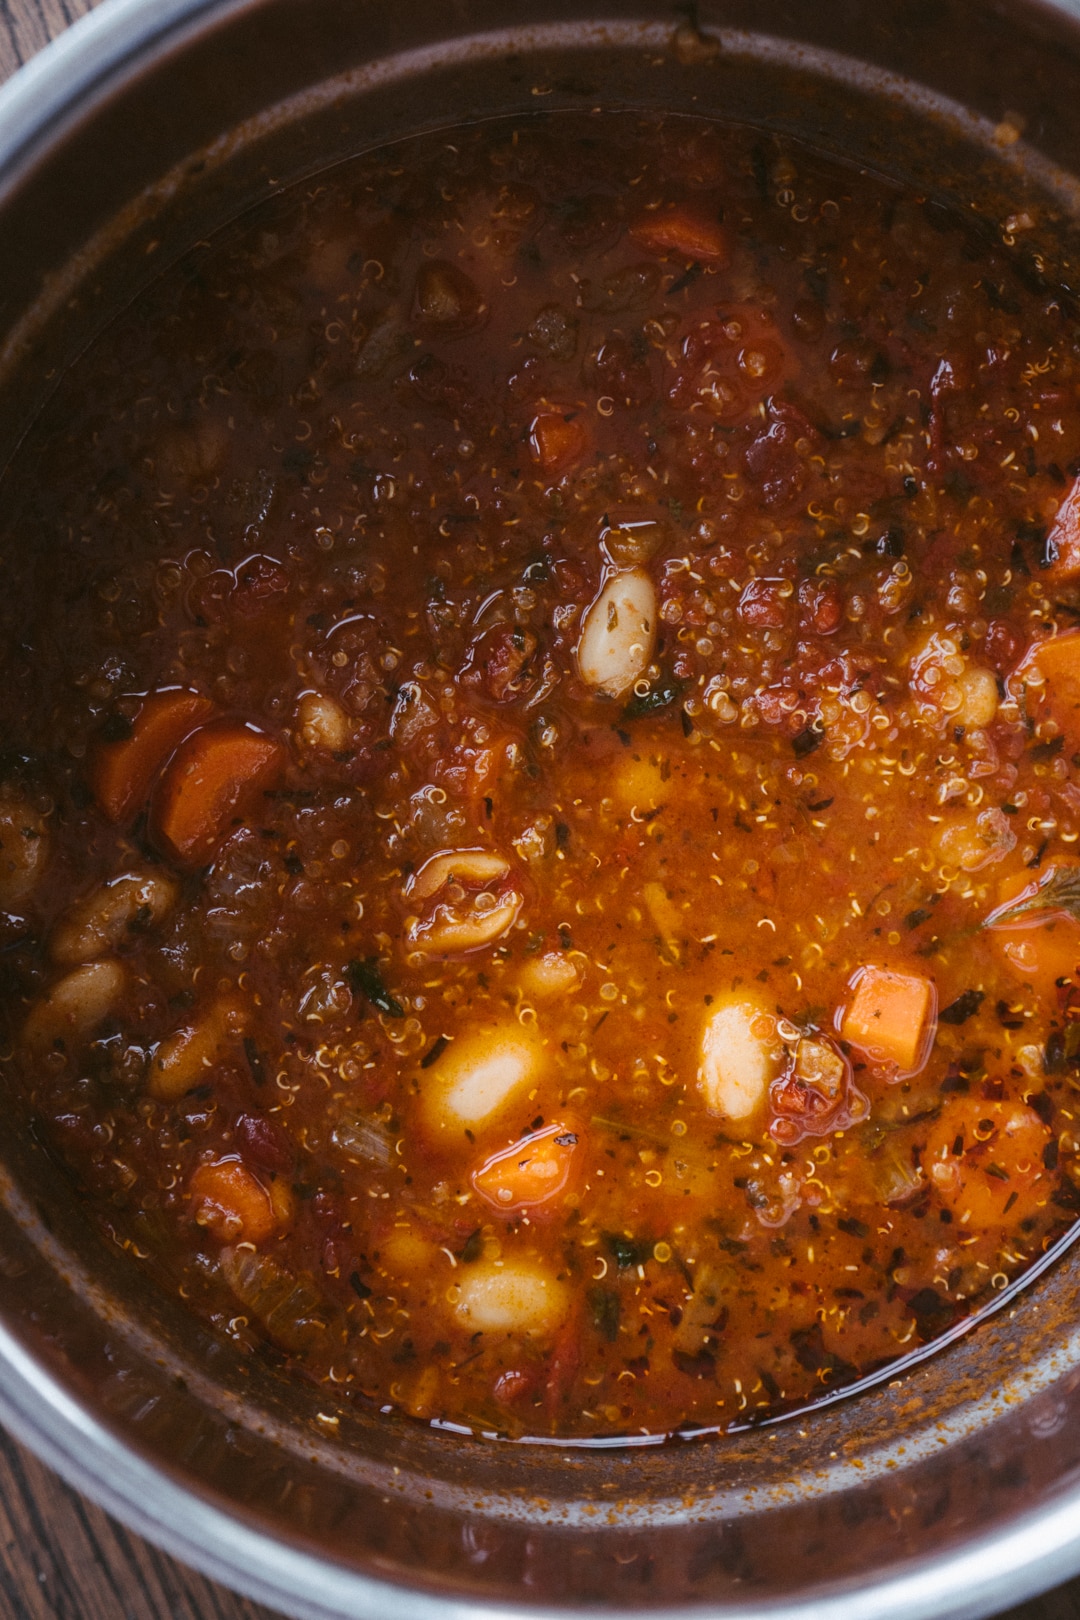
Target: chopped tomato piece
558	440
124	770
1042	948
1063	541
891	1018
212	780
677	230
1058	661
528	1176
232	1203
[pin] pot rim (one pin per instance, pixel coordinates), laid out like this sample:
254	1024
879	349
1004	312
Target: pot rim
1042	1547
1041	1550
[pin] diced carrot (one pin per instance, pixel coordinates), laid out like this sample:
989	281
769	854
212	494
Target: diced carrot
1042	947
557	440
891	1019
530	1175
212	779
1063	541
679	231
124	770
1058	661
231	1203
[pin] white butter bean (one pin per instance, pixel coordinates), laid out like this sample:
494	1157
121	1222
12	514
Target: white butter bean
478	1076
740	1055
24	848
100	921
619	633
183	1059
75	1006
514	1296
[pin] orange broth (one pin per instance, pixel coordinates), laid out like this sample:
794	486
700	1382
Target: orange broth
539	809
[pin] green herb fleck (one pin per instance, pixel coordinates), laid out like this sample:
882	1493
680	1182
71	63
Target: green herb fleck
364	977
605	1308
627	1252
661	696
1059	890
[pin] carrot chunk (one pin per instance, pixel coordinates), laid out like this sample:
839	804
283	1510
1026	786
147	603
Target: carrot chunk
687	234
557	440
536	1170
1063	541
984	1161
891	1018
231	1203
124	770
212	779
1058	661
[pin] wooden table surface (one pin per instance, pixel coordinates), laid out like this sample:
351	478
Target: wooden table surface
62	1558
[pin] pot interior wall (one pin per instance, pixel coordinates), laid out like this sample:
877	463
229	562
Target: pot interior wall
955	1448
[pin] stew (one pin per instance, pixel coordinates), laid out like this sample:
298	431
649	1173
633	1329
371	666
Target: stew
539	805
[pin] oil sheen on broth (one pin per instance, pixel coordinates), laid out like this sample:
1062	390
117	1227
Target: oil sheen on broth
539	804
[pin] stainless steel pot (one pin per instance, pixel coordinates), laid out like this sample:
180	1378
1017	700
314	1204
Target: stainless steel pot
952	1489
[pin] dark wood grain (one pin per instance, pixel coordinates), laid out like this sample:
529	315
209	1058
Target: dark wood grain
62	1558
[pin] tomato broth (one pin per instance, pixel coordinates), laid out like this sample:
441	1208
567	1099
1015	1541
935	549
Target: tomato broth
539	804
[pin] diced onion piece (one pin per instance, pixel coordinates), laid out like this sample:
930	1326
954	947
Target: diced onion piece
445	295
512	1296
740	1053
183	1059
819	1064
323	723
232	1203
102	920
478	1076
365	1139
124	771
979	693
68	1013
619	633
894	1175
975	841
472	866
549	975
294	1314
891	1018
